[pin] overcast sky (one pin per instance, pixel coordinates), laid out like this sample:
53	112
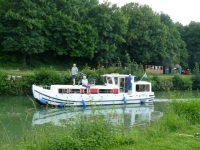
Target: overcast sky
183	11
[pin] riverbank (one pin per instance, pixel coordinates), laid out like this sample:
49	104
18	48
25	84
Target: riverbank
175	130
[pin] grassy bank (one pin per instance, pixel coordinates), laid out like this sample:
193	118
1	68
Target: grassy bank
175	130
18	72
31	72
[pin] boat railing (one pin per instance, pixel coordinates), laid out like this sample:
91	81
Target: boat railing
90	78
80	78
46	87
92	90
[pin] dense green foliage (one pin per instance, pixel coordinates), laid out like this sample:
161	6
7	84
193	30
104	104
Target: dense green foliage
180	83
10	85
189	110
190	34
58	32
3	83
46	76
157	83
196	77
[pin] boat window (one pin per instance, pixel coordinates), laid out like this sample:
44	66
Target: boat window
122	84
105	91
142	88
116	80
62	90
109	79
104	79
46	87
74	90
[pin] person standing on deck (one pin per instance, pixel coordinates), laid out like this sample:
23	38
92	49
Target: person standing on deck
74	72
129	84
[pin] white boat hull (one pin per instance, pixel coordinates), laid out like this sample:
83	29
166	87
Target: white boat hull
47	96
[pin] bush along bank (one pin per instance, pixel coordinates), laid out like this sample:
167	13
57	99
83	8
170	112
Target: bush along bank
175	82
12	85
49	76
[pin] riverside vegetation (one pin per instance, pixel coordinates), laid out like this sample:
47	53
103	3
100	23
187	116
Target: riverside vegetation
177	129
48	76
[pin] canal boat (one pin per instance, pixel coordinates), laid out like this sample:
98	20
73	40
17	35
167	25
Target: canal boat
113	91
131	114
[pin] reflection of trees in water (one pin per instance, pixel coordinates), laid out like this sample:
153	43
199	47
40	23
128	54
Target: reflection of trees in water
127	119
161	106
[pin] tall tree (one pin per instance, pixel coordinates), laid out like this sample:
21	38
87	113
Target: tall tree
34	26
66	36
145	37
191	37
184	56
175	46
22	22
110	24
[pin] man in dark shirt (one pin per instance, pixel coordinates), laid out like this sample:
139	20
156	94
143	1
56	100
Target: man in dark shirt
129	84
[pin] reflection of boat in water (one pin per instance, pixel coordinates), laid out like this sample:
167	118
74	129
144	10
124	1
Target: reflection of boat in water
128	114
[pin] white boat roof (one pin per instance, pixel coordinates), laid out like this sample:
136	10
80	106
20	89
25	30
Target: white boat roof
142	82
116	75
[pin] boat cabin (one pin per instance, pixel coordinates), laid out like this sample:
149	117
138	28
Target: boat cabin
120	81
113	84
117	80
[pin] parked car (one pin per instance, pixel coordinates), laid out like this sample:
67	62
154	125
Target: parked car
185	71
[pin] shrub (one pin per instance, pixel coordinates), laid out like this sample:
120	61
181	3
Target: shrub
88	71
100	71
156	83
115	70
180	83
11	86
48	76
188	109
196	82
187	84
196	77
67	78
3	83
177	82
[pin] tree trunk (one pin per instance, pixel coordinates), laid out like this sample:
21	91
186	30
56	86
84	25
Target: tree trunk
24	64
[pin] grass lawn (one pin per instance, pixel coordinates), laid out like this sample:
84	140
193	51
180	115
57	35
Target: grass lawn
184	140
169	76
18	72
21	72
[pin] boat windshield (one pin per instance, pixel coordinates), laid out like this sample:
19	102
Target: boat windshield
108	80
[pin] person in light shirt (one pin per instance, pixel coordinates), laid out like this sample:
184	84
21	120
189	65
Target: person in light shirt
74	73
85	83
